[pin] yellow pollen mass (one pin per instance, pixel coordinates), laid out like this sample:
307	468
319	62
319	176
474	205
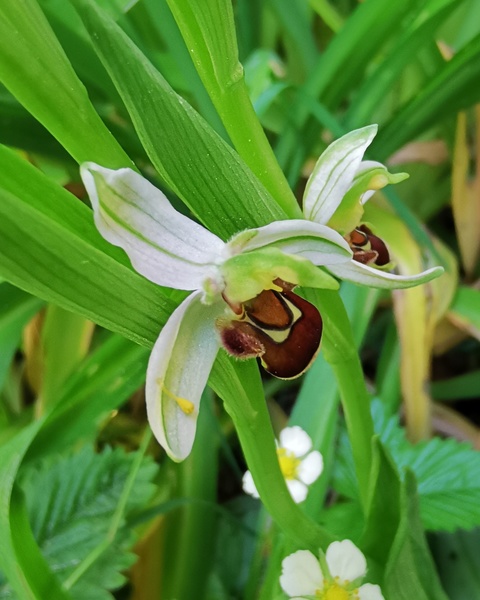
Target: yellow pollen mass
289	463
185	405
335	592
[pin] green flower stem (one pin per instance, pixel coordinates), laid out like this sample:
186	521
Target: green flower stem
239	384
190	541
340	351
210	36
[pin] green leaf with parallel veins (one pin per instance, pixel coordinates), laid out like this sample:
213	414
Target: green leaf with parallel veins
195	162
28	47
49	246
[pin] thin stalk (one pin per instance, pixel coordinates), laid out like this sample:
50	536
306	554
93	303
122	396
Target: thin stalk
210	36
246	406
340	351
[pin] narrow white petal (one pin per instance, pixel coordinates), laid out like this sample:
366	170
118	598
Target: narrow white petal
178	368
334	172
318	243
163	245
296	440
301	574
345	561
248	485
363	274
311	467
298	490
370	591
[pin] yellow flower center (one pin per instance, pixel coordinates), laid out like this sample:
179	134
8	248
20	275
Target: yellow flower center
334	591
289	463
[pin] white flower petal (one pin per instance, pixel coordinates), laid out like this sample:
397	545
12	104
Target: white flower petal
334	172
296	440
370	591
318	243
301	574
298	490
163	245
311	467
248	485
345	561
365	275
178	368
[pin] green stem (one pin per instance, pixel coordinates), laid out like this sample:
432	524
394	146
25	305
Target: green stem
340	351
210	36
240	387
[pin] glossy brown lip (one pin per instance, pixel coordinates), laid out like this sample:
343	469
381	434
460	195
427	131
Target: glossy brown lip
368	248
280	328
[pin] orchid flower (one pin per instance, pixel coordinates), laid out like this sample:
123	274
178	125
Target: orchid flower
336	192
300	465
241	298
242	290
337	574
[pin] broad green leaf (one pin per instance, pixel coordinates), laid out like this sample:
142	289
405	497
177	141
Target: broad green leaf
65	341
50	247
410	555
342	65
377	86
17	308
110	375
195	162
458	562
210	35
451	90
465	310
57	99
454	388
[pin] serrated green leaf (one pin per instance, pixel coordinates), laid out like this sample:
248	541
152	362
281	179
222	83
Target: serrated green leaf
195	162
447	471
72	514
20	559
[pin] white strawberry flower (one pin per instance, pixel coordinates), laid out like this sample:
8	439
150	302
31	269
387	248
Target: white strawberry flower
335	575
300	465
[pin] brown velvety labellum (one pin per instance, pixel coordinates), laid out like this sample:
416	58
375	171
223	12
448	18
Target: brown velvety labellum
281	328
368	248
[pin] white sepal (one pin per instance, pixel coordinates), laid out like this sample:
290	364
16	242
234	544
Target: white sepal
365	275
178	370
318	243
333	174
163	245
